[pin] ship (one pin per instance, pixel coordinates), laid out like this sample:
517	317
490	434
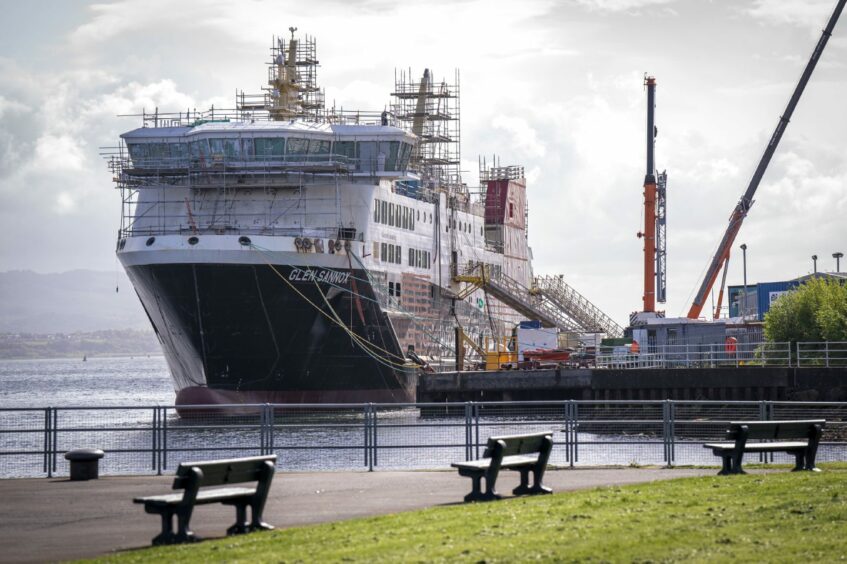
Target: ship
289	252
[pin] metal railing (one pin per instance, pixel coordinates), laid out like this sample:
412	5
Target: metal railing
321	437
822	353
721	355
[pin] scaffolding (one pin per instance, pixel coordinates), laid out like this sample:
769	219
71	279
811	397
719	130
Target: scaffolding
292	91
431	110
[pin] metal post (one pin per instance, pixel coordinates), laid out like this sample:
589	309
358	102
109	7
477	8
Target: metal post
666	448
55	429
153	431
744	260
673	431
826	352
476	427
47	421
374	437
468	432
165	438
575	434
368	460
271	437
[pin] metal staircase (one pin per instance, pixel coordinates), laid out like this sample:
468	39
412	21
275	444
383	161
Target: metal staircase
551	301
575	306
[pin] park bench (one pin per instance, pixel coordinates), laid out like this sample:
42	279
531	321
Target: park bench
522	453
194	477
799	438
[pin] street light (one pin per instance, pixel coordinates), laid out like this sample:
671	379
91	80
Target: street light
744	302
837	257
815	262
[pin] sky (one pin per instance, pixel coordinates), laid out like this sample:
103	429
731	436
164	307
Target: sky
555	86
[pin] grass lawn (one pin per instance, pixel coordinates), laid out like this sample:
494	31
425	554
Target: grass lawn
778	517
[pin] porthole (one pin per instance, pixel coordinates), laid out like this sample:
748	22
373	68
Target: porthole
193	240
244	240
150	241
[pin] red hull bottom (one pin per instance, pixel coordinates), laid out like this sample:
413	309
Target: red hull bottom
197	395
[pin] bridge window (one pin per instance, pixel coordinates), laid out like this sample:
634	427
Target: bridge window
345	151
367	156
269	148
297	147
247	148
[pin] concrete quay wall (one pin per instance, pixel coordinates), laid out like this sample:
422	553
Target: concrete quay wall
742	383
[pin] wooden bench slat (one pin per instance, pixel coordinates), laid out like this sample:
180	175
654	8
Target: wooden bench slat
759	447
508	462
204	496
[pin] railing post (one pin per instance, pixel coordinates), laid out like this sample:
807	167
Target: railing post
826	352
47	421
55	445
154	430
575	433
468	432
374	437
367	428
798	353
474	430
164	444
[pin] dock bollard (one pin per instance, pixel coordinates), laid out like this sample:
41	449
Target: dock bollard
85	463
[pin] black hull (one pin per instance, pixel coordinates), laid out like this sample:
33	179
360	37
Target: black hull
257	338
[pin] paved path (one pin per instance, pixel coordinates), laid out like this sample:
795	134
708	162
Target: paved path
55	519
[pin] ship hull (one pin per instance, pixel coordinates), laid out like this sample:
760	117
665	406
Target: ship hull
256	333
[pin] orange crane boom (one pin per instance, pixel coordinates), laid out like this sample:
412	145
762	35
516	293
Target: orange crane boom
746	201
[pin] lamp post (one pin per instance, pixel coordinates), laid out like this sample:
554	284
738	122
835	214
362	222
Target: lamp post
744	301
837	257
815	263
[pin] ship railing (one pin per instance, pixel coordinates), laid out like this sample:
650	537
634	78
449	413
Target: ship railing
714	355
154	439
194	118
220	227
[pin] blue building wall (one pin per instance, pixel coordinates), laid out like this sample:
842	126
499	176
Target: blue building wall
768	292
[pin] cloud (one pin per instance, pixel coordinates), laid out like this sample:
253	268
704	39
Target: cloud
620	5
808	13
524	137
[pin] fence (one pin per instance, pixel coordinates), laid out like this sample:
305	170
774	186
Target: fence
718	355
371	437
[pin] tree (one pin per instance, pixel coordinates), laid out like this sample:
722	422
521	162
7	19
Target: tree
814	311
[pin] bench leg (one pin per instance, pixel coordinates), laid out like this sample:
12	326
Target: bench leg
537	477
726	468
537	486
167	534
476	489
523	489
737	457
184	533
257	507
240	527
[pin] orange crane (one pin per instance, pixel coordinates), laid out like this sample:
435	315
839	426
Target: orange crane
746	202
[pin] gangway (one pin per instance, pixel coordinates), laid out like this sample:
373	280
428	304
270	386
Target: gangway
588	317
551	301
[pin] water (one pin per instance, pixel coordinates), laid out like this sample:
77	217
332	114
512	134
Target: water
125	381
